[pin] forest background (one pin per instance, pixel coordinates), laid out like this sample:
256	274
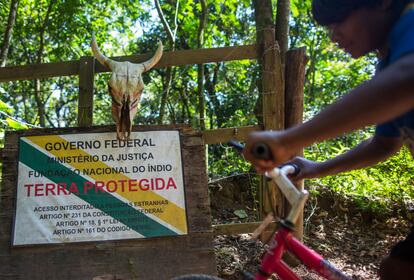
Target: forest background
215	95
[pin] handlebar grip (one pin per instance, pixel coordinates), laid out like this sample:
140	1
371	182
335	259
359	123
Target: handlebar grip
262	151
259	150
296	168
236	145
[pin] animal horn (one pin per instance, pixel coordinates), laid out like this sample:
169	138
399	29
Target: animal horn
154	59
99	56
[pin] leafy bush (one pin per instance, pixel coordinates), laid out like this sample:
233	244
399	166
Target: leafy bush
225	161
380	188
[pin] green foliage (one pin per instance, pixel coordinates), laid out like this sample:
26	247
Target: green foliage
228	163
377	188
241	214
7	121
52	31
4	108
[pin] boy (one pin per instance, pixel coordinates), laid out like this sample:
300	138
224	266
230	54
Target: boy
387	100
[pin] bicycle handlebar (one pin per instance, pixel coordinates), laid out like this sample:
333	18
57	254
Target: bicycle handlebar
262	151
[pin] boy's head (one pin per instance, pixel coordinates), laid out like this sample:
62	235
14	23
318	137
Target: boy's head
358	26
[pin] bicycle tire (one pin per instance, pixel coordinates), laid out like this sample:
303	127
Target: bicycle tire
196	277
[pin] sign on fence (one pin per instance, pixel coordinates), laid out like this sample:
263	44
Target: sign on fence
92	187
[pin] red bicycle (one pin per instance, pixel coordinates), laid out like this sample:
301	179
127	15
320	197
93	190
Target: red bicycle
283	240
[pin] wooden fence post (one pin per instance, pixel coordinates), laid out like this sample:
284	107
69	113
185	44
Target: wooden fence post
86	85
271	199
295	81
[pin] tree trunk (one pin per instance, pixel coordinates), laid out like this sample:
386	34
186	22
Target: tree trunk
40	101
186	112
200	72
200	94
169	73
165	93
210	86
271	89
282	27
263	13
8	33
295	83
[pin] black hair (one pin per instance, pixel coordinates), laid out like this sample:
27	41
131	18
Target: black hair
326	12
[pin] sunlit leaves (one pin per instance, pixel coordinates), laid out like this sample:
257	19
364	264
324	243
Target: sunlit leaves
5	108
14	124
6	120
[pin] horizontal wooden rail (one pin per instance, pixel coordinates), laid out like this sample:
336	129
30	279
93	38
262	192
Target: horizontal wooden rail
228	229
39	71
175	58
223	135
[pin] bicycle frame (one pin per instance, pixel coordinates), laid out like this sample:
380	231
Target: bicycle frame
284	240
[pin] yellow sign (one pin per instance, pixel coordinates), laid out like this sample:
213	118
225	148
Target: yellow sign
91	187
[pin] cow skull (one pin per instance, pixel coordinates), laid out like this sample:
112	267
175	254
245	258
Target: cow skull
125	87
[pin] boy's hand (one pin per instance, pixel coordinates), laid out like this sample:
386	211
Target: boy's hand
281	152
308	168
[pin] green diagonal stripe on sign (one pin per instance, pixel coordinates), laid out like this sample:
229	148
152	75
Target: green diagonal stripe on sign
105	202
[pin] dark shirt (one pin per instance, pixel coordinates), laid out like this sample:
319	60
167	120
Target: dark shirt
401	43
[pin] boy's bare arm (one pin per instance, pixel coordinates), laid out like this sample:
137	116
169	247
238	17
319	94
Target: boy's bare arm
367	153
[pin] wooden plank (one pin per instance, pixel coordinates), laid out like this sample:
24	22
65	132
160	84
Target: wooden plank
86	85
186	57
176	58
271	199
223	135
273	84
228	229
295	83
39	71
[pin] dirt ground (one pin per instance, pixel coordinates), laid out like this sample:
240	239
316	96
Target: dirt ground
353	240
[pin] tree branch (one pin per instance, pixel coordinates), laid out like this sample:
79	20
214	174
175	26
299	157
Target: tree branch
164	21
8	33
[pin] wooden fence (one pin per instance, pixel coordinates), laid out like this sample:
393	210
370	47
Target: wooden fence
276	115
